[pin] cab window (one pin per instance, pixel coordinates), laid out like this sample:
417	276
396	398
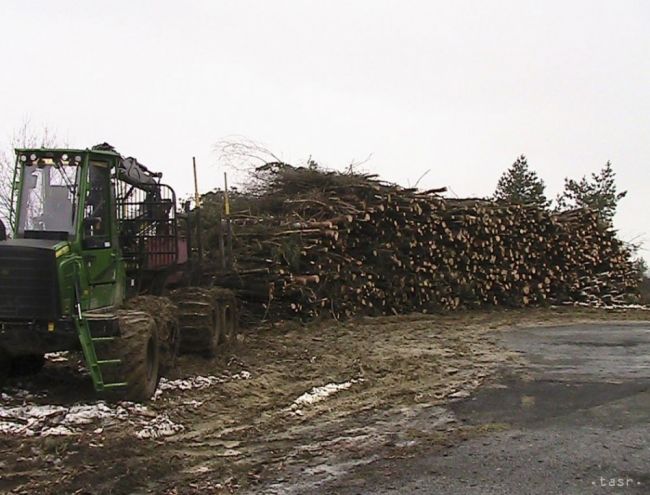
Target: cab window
96	219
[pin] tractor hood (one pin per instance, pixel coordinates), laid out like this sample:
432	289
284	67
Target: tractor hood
34	243
29	286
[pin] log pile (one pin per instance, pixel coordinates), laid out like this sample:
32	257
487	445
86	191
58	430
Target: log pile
309	242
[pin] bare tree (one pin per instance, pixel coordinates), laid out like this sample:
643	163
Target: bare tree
249	159
255	161
24	136
243	154
355	165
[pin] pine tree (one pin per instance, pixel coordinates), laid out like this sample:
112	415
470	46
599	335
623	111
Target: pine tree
520	185
598	193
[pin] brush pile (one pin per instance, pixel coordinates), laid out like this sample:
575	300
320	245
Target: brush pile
308	242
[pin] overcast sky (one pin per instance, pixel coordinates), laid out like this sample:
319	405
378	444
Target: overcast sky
460	88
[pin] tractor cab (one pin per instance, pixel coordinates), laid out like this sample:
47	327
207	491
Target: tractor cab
88	229
111	210
63	255
48	196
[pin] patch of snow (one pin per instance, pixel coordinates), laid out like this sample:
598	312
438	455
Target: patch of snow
197	382
8	428
56	431
318	394
627	306
161	426
31	419
602	305
57	357
21	416
86	414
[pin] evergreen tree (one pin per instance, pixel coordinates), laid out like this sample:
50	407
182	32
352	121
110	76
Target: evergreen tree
520	185
598	193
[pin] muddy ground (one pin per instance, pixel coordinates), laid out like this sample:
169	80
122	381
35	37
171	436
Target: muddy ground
289	403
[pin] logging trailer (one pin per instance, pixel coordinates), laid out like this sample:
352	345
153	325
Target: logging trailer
100	260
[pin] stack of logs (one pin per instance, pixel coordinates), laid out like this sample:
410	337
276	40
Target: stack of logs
309	242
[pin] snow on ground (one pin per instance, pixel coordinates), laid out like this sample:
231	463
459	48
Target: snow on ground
57	357
318	394
608	307
196	382
21	415
29	419
160	426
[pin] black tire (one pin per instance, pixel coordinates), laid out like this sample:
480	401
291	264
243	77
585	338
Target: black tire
138	348
5	367
29	364
199	320
216	334
229	320
164	312
228	314
172	348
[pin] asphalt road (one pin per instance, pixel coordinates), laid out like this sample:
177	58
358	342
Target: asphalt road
577	421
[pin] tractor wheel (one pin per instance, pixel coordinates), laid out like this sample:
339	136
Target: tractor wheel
228	317
199	320
29	364
138	348
5	367
172	347
216	335
164	312
228	314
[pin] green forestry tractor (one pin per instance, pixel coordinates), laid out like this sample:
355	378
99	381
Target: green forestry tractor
100	260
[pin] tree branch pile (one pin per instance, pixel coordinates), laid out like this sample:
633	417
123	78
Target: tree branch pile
309	242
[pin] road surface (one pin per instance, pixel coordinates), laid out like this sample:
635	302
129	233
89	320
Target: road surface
574	420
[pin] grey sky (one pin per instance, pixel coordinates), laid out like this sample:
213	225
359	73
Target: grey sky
461	88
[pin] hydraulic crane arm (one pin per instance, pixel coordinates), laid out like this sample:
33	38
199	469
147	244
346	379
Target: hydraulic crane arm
130	170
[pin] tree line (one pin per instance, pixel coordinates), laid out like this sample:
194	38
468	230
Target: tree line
598	192
521	185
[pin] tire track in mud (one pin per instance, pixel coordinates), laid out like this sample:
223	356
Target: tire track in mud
412	362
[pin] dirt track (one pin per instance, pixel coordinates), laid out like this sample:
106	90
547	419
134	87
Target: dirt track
249	427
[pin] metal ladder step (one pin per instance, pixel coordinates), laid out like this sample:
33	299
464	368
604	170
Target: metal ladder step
95	364
115	385
108	361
